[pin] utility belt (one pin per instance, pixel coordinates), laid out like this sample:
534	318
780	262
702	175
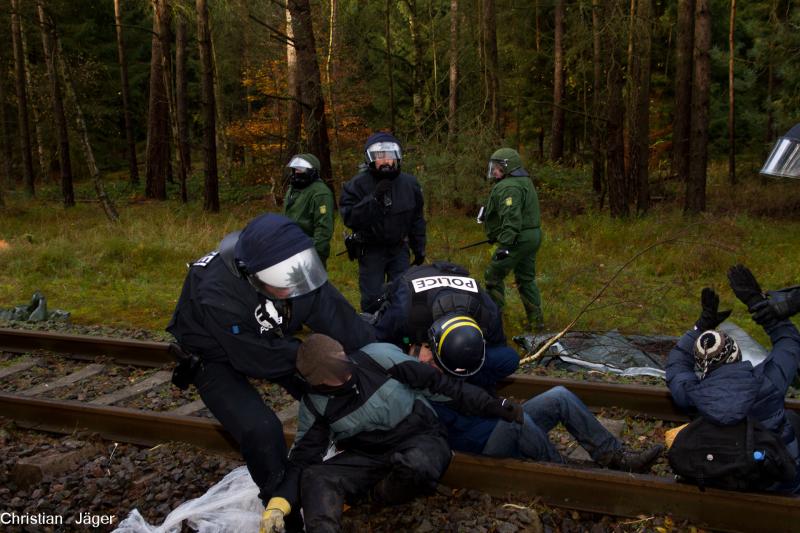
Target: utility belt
188	364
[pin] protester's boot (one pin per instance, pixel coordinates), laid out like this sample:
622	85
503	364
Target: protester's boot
632	461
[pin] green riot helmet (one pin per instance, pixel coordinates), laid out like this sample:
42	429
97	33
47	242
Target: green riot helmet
784	160
457	344
502	163
303	170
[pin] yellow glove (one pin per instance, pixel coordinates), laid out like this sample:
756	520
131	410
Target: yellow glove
272	519
669	435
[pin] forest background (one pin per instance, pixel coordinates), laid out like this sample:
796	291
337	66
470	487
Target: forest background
135	134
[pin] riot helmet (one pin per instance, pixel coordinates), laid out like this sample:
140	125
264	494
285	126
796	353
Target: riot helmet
505	162
303	170
383	155
784	160
714	348
457	344
279	259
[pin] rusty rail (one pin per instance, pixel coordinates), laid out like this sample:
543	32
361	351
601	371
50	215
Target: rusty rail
593	490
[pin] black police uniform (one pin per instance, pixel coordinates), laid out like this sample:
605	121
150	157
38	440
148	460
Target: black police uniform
387	228
238	333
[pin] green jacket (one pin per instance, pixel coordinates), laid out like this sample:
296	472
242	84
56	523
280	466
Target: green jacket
512	211
312	209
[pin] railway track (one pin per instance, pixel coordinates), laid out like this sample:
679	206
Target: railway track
594	490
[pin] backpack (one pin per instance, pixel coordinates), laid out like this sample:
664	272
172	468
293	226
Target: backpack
745	456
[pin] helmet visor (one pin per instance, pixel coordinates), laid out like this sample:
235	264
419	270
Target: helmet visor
784	161
497	169
298	163
292	277
383	150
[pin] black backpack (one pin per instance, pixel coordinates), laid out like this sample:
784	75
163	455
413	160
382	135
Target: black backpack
745	456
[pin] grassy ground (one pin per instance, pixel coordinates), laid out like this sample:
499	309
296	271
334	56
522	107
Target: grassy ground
130	275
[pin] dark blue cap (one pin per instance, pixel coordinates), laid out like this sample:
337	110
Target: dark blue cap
380	137
269	239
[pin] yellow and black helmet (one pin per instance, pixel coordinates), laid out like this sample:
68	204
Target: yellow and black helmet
457	344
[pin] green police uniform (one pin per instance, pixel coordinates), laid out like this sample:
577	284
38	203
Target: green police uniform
312	209
512	220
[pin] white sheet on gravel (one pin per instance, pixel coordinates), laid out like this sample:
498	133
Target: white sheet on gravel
230	506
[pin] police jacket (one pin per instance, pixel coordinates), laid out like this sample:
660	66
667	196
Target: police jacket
312	208
734	391
425	293
388	405
382	224
512	212
222	318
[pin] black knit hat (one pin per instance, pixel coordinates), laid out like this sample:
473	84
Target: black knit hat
713	348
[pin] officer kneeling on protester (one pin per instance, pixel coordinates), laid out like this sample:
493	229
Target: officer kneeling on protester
237	311
707	376
309	202
444	294
456	347
372	403
511	219
384	208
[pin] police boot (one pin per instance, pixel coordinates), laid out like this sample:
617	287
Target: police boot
632	461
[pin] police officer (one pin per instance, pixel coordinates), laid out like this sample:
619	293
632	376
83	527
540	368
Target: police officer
236	315
512	221
383	207
309	202
440	310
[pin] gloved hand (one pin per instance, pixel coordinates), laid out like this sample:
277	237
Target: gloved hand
500	254
745	286
419	258
778	306
381	188
272	519
506	409
711	317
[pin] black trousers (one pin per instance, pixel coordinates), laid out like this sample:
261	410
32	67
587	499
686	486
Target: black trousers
239	407
401	474
378	265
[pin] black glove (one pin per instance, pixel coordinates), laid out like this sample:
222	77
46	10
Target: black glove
505	409
500	254
711	317
745	286
778	306
382	188
419	258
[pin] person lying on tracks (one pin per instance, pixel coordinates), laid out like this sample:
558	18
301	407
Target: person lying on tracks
373	404
237	312
706	374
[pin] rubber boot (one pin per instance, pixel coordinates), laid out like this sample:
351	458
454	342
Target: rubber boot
633	461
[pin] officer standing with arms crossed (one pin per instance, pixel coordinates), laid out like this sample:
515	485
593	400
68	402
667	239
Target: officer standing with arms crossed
384	208
512	220
309	202
239	307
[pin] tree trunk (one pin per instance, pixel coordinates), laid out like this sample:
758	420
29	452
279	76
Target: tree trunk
452	108
681	126
557	128
311	88
108	205
418	80
48	45
389	67
181	91
332	25
37	121
731	99
639	112
211	190
492	103
538	24
618	195
294	124
133	168
5	145
598	159
22	99
696	185
158	161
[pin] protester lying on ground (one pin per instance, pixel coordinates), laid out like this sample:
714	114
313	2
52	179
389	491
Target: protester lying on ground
372	403
708	378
